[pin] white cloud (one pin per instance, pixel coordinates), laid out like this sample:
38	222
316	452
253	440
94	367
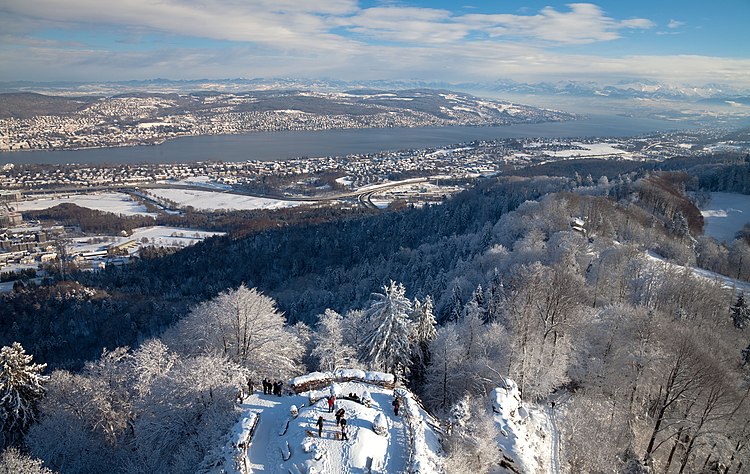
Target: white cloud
675	24
584	23
333	38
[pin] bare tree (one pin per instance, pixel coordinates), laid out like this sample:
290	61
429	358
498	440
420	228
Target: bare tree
244	326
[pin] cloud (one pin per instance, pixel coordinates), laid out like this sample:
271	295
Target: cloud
281	24
584	23
675	24
327	38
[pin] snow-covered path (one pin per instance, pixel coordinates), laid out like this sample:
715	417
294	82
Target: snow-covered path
274	412
398	438
554	459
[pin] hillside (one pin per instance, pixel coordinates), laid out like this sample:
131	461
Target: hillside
603	303
52	122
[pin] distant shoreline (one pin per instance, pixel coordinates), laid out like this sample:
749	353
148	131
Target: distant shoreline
286	145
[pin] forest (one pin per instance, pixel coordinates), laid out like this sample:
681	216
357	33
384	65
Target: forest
561	283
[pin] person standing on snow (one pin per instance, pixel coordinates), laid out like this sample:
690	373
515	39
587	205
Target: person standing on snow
320	426
339	416
343	429
395	406
331	401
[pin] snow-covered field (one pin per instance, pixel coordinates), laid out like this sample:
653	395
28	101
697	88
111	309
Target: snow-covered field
725	215
726	281
589	149
203	181
212	201
284	444
116	203
159	236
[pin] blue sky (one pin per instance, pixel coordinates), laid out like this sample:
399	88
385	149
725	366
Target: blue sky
679	42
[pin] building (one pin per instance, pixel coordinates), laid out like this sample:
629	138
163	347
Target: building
9	218
10	196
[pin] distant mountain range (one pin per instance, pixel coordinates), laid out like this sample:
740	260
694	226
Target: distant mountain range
718	94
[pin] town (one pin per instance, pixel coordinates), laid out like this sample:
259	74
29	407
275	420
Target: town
148	119
379	180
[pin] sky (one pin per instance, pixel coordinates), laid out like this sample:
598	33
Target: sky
686	42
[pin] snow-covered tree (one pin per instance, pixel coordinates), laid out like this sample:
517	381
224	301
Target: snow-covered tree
184	418
444	379
111	409
471	445
66	425
455	305
390	331
13	461
425	328
328	343
740	312
151	360
354	328
244	326
21	387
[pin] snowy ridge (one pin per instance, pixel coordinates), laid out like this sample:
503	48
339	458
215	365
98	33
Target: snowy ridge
423	438
522	430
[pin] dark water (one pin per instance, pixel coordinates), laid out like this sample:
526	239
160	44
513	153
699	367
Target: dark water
266	146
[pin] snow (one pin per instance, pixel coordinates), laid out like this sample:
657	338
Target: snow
726	214
350	374
242	433
286	444
116	203
316	380
345	180
522	428
203	181
589	149
212	201
158	236
726	281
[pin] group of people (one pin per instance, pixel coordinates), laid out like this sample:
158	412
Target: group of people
353	396
272	388
340	423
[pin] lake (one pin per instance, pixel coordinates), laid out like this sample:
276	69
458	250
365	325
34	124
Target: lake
267	146
725	215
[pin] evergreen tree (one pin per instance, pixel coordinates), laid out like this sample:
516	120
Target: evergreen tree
740	312
390	332
21	386
478	296
679	225
455	305
425	332
746	355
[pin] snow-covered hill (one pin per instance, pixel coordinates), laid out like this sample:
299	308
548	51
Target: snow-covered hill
284	443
